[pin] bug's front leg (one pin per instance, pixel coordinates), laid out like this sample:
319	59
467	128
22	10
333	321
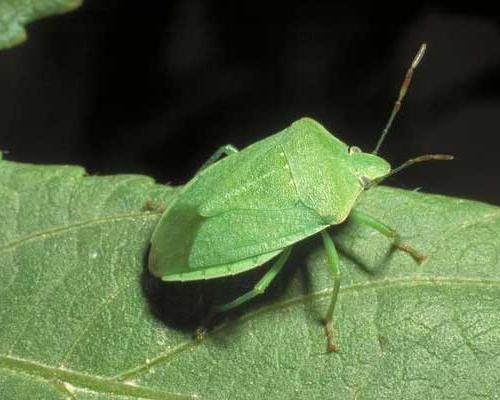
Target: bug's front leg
226	150
334	264
366	219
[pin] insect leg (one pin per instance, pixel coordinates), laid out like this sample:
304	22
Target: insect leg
361	217
261	285
153	206
226	150
333	262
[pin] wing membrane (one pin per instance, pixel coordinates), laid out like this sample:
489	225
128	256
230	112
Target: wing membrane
239	234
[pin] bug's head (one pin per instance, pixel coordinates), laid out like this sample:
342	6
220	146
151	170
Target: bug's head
367	167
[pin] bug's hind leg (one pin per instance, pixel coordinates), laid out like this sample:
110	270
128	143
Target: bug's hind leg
361	217
153	206
334	264
259	288
226	150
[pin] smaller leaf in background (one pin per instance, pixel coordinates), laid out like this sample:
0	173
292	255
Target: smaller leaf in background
15	14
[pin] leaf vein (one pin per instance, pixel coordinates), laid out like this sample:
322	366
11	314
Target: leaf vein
187	345
65	228
90	382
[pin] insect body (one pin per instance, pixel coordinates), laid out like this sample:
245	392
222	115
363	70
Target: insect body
253	205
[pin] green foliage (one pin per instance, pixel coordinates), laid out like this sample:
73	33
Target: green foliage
15	14
76	320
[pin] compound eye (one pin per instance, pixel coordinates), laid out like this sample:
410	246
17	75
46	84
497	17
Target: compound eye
354	149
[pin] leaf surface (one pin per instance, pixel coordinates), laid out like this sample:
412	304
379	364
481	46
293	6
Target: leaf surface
80	317
15	14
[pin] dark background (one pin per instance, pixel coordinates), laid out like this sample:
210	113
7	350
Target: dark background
155	87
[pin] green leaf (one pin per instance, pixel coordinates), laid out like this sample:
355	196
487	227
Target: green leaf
80	317
15	14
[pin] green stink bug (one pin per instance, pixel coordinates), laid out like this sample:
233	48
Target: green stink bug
240	211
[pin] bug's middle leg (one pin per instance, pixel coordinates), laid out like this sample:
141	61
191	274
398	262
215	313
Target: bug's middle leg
372	222
334	264
259	287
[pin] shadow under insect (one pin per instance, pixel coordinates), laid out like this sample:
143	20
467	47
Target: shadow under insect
185	306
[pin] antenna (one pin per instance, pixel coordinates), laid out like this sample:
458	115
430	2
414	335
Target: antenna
402	93
425	157
406	164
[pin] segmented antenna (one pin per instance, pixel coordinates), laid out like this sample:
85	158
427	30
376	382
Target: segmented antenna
402	93
425	157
